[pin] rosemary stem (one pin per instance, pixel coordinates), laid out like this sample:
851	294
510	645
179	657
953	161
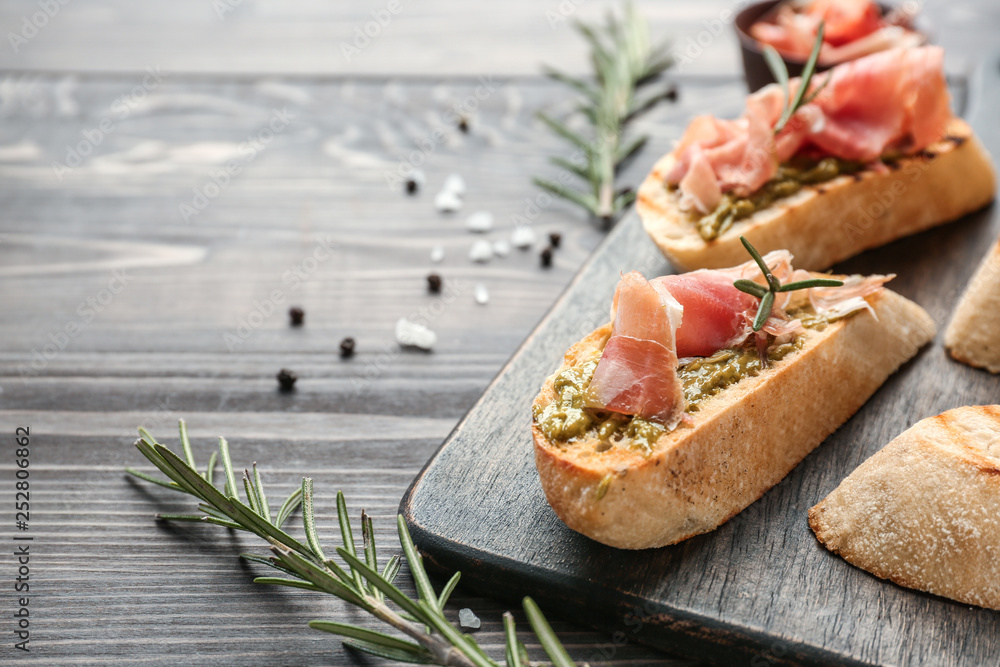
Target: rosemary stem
443	652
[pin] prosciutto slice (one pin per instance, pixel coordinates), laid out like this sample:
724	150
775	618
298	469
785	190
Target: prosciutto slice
893	100
637	373
853	28
695	315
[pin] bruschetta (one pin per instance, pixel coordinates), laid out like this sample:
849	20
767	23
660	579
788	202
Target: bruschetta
876	155
973	337
678	414
924	512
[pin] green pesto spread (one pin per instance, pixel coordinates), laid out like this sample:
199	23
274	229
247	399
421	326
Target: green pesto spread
705	377
565	418
789	180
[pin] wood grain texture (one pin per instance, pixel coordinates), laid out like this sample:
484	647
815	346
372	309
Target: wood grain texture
426	38
759	589
114	585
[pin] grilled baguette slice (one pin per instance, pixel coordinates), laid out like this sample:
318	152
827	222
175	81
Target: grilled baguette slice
924	512
973	337
825	223
740	442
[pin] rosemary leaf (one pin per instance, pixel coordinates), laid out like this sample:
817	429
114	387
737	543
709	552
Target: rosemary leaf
258	486
227	465
211	511
311	572
339	571
185	443
371	636
777	67
390	591
180	517
764	312
252	499
290	505
447	590
564	132
511	653
391	569
210	468
416	562
149	478
629	152
371	555
309	519
808	284
579	85
571	167
553	647
388	653
347	535
292	583
225	523
750	287
807	73
586	201
147	450
269	562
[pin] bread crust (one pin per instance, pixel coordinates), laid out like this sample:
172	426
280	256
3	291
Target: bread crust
825	223
924	512
973	336
742	441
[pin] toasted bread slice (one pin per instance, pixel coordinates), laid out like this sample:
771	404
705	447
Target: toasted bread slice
825	223
973	337
740	442
924	512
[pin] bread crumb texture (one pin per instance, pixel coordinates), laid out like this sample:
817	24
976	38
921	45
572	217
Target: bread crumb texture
924	512
973	337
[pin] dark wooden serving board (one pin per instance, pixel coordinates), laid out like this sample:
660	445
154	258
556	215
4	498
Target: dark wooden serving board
760	589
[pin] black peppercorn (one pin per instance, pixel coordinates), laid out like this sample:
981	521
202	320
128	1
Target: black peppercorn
671	94
286	379
347	347
434	283
463	124
546	258
412	186
555	238
296	315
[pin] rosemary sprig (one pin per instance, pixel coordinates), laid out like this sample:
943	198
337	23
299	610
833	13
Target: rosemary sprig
767	294
780	72
431	638
624	63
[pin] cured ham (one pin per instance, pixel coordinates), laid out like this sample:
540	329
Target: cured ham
891	101
841	301
637	373
852	29
696	314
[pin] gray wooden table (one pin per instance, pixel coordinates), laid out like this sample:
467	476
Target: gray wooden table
140	282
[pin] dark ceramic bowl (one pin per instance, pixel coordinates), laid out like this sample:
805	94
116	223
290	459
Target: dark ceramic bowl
754	66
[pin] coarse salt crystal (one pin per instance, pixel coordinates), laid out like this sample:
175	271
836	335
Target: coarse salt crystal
482	294
522	237
480	221
467	619
411	334
437	254
481	251
501	248
447	202
454	184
